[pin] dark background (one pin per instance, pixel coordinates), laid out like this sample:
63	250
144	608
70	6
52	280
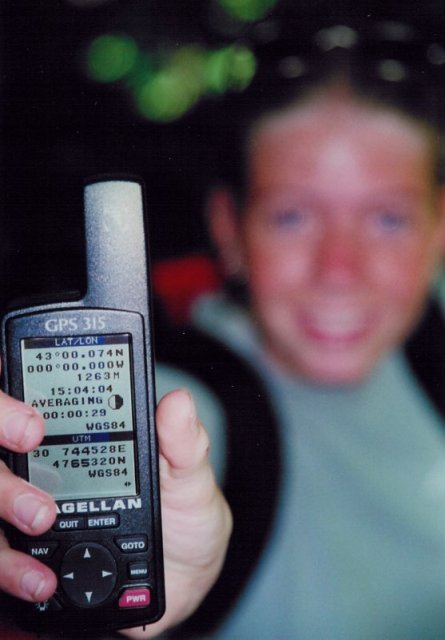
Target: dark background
59	127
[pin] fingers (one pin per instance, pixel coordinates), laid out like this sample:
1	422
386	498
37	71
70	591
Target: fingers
23	576
21	427
24	506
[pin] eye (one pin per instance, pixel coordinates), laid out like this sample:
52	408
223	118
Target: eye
289	219
390	220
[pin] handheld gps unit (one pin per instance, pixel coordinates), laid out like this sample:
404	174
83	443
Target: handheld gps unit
87	366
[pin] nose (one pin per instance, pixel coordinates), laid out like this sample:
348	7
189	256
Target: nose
339	259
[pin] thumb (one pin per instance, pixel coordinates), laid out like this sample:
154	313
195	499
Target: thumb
183	441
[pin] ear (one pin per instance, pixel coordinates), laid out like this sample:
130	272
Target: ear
225	230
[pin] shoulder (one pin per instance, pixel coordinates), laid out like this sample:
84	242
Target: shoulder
253	464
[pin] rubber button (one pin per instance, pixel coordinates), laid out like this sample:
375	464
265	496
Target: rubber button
69	524
42	550
135	598
132	544
88	574
138	570
103	521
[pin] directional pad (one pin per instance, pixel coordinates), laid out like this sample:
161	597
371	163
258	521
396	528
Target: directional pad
88	574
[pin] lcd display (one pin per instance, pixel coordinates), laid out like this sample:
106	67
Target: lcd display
82	385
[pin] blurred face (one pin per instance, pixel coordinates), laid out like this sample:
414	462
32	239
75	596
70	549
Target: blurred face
340	236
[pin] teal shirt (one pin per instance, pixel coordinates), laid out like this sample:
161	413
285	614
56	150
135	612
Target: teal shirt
357	551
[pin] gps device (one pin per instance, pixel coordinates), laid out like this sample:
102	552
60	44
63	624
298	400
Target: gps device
87	366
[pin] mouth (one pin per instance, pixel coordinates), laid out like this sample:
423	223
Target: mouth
336	327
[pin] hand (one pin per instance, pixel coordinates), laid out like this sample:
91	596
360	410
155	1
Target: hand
26	507
196	519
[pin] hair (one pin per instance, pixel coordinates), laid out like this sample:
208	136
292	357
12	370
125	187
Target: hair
385	64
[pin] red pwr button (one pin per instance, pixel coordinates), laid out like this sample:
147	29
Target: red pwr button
134	598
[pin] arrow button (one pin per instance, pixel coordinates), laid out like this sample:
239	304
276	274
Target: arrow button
89	574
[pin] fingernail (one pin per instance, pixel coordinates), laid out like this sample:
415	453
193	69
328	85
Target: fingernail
192	407
18	427
33	583
30	510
